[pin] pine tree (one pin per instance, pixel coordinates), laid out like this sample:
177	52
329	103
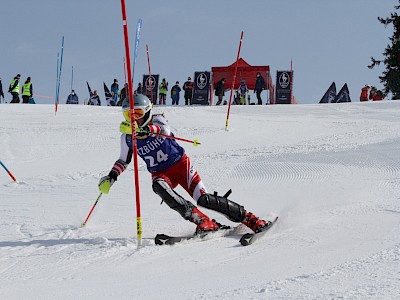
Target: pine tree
391	76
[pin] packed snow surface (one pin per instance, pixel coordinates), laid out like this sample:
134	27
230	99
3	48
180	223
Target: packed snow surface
331	172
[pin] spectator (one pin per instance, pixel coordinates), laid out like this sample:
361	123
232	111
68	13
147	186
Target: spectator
94	99
114	91
236	98
122	94
378	96
188	88
364	93
163	92
1	91
14	89
260	85
139	89
27	91
220	90
175	91
372	93
243	92
73	98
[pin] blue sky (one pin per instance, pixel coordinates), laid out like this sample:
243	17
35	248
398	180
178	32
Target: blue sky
327	41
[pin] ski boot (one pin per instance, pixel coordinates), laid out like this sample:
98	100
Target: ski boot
203	222
254	223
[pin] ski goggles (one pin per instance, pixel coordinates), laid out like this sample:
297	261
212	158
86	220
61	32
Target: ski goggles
138	113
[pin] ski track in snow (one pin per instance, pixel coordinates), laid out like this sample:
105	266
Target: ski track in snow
330	172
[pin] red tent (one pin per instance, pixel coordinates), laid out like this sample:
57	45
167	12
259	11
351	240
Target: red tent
244	72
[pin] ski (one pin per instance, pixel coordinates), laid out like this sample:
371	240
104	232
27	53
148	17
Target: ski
250	238
163	239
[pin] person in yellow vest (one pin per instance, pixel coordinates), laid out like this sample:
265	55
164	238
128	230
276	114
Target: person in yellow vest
27	90
163	92
14	89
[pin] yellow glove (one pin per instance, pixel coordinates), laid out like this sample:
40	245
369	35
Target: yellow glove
125	127
105	184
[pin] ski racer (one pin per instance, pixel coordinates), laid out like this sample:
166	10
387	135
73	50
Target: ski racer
169	166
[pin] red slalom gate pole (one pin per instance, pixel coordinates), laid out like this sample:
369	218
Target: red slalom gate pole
194	142
9	173
233	82
149	80
134	140
94	205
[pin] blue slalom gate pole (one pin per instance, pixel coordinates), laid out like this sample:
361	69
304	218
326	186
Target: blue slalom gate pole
59	74
137	39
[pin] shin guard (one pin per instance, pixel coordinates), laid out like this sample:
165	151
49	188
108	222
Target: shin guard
228	208
173	199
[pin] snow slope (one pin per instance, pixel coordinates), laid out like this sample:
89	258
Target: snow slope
331	172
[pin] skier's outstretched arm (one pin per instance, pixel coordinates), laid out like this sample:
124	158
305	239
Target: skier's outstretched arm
119	167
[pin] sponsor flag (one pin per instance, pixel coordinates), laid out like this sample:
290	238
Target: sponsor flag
343	95
330	94
109	99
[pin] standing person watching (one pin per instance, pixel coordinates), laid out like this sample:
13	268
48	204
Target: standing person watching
14	89
163	92
188	88
73	98
175	91
114	91
27	91
260	85
220	90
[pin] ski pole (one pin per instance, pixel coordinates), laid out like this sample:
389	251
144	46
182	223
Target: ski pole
9	173
194	142
94	205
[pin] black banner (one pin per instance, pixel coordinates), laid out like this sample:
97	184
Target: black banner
150	87
329	95
343	95
201	88
283	87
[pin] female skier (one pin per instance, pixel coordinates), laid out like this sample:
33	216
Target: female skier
169	166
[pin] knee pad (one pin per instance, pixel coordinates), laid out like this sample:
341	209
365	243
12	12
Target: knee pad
228	208
173	199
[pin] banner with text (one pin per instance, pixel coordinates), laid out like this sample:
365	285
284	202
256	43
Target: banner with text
283	87
201	88
150	87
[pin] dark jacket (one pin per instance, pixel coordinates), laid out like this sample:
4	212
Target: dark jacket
72	99
260	84
188	88
1	90
175	92
139	89
219	89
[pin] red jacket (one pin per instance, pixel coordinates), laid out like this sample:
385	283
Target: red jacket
378	96
364	94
